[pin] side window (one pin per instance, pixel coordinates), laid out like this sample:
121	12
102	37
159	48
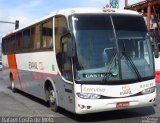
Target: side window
27	39
60	30
35	36
7	45
19	42
10	44
66	62
61	41
4	45
47	34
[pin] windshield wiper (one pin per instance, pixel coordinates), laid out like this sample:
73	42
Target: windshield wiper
131	62
108	73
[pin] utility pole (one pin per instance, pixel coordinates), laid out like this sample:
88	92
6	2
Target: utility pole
126	3
16	23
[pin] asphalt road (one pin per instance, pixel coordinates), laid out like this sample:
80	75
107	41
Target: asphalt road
21	107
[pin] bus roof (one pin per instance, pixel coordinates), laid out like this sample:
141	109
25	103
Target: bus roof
67	12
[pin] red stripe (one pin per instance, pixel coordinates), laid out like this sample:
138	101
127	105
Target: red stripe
157	73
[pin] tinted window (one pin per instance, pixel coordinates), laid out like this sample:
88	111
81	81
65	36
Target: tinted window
36	34
19	42
10	44
92	22
27	39
129	23
47	32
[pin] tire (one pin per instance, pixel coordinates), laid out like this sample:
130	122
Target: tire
13	86
52	99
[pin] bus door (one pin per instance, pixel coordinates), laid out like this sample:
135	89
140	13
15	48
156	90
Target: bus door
67	72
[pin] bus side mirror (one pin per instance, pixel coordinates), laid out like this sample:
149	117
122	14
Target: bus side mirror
156	55
66	39
70	48
156	50
155	37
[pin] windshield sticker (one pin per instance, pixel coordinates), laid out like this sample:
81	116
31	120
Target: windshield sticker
53	67
114	72
96	75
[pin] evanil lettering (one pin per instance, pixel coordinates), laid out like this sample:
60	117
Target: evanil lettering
33	65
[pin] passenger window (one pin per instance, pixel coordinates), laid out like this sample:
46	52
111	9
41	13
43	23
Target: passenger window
27	40
60	30
10	44
66	62
19	43
47	34
35	36
4	45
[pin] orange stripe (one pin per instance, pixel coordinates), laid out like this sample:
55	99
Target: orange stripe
13	67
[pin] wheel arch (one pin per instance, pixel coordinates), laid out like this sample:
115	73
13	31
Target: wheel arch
49	82
11	76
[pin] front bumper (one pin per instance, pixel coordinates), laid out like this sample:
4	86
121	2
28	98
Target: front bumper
84	106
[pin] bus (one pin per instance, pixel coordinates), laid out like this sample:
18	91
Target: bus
84	60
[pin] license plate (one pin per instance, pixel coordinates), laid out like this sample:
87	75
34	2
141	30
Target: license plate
122	104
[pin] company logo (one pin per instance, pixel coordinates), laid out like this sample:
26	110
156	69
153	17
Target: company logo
35	65
126	90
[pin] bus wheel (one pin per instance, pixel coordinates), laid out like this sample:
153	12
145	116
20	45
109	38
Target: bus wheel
52	99
13	86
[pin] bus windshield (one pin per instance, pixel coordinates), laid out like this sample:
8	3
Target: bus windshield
112	48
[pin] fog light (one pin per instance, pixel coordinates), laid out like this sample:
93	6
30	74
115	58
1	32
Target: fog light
88	107
81	106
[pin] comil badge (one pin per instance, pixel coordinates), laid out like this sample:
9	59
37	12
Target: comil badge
126	90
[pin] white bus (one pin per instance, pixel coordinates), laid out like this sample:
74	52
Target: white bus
84	60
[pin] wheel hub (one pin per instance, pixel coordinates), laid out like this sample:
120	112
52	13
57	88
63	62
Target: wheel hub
52	96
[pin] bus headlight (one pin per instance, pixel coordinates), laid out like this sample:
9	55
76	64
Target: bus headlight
88	96
148	90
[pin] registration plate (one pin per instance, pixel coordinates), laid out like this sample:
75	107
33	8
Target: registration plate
122	104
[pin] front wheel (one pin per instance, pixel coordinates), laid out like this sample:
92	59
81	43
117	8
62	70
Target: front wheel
52	99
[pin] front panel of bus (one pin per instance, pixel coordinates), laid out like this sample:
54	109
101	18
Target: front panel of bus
113	64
